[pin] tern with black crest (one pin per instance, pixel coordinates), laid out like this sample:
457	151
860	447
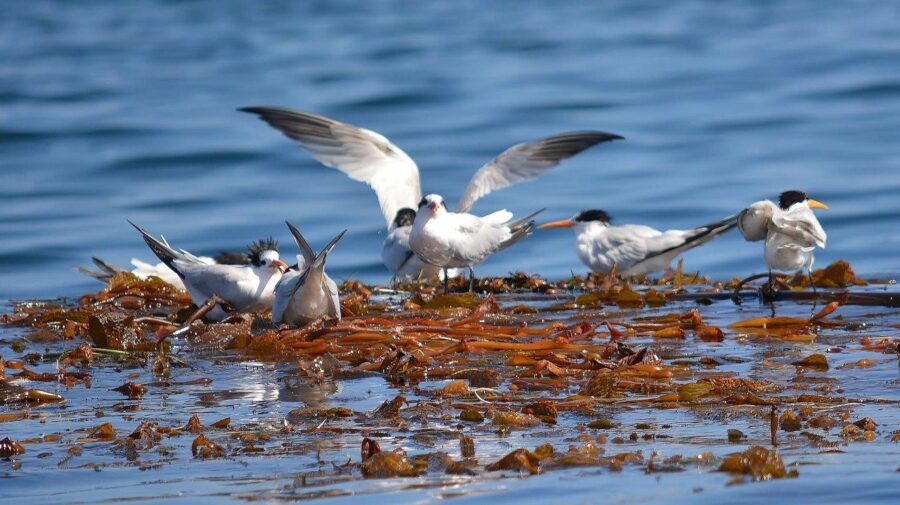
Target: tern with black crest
633	249
790	229
237	288
369	157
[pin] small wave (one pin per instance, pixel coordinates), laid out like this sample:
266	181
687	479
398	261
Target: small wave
102	133
876	90
79	96
185	160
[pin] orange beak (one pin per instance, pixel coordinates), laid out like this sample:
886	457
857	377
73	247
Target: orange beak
433	206
815	204
280	265
562	223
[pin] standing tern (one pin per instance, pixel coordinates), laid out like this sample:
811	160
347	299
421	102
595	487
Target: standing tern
790	230
307	293
459	239
369	157
632	248
243	288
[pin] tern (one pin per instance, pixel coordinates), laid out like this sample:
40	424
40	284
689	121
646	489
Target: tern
307	293
633	249
241	288
369	157
790	230
459	239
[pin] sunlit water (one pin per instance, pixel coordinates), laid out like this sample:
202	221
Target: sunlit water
127	110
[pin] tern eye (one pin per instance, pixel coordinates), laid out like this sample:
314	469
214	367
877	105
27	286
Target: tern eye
444	205
423	203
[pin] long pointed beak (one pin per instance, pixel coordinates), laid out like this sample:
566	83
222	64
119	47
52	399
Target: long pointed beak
280	265
562	223
815	204
433	206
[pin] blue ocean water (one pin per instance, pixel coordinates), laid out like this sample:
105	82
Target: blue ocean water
126	110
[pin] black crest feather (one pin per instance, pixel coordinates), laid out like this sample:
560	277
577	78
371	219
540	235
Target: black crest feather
405	217
788	198
592	215
255	249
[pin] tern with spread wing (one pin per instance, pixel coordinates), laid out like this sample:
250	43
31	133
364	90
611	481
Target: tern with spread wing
243	288
459	239
307	293
369	157
632	248
790	229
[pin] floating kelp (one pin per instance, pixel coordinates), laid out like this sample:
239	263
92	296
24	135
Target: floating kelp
617	374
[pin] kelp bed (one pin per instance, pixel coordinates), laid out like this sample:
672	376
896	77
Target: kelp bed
588	387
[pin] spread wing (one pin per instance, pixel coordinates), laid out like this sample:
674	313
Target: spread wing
527	161
362	154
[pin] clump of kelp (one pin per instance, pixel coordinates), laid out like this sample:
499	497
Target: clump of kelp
524	355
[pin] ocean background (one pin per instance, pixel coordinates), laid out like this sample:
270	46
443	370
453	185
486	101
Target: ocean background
126	110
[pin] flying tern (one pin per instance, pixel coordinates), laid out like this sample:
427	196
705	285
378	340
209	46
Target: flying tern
369	157
459	239
244	288
790	230
632	248
306	293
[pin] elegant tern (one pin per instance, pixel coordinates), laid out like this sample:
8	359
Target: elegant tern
790	229
244	288
632	248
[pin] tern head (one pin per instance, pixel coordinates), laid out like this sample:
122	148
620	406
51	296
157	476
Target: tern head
264	253
433	203
582	218
790	198
405	217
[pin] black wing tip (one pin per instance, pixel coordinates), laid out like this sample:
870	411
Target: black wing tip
590	135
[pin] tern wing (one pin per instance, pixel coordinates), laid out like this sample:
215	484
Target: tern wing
235	283
527	161
753	222
284	290
335	300
362	154
308	254
625	245
801	224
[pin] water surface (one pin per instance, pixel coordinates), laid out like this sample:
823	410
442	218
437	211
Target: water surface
126	110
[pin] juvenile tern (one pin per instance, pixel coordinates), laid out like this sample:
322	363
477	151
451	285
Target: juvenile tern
244	288
459	239
369	157
307	293
632	248
790	229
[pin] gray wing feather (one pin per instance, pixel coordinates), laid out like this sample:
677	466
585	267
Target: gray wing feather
363	155
527	161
